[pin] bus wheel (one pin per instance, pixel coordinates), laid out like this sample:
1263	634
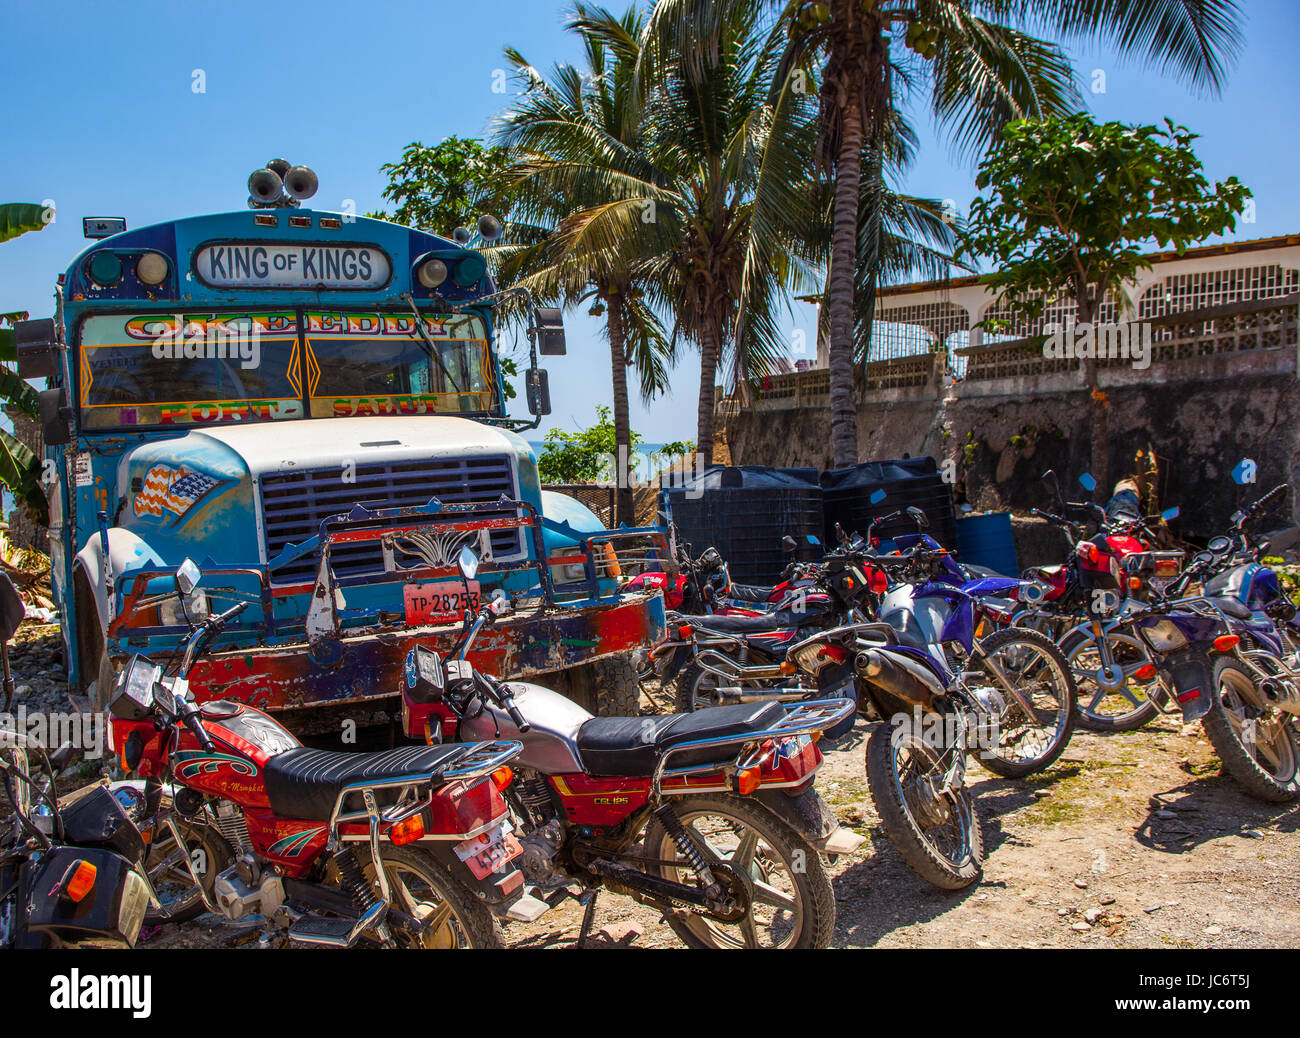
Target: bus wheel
95	670
607	687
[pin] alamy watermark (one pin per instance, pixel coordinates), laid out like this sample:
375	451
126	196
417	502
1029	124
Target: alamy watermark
211	338
1086	340
83	731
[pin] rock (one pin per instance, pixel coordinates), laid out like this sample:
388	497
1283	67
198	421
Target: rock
1062	911
1091	916
1108	900
1081	927
1082	884
1165	814
1152	908
1213	931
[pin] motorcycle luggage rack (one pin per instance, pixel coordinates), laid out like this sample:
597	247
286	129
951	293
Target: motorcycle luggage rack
803	718
481	760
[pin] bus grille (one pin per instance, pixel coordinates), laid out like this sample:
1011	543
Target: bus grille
294	503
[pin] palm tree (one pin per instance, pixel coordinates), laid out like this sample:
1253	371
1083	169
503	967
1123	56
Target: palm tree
571	138
983	68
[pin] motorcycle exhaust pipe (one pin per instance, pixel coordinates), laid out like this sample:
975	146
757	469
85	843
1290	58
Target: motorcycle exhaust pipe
733	696
911	682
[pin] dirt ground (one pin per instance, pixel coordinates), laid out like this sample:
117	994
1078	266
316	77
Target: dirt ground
1132	840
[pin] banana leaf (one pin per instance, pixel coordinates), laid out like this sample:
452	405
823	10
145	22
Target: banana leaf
20	217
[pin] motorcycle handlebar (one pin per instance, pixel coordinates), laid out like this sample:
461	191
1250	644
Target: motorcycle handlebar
191	719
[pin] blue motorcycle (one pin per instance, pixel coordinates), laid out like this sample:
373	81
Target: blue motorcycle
941	692
1231	655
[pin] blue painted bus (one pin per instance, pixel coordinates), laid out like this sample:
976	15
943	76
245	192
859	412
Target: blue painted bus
310	406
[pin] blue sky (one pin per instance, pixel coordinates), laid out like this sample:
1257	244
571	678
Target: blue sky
100	114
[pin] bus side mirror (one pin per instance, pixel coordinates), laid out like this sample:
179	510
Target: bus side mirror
548	327
538	389
37	345
55	415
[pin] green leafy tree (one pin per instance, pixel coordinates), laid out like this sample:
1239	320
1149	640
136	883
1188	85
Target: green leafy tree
20	468
981	68
446	185
589	455
1070	209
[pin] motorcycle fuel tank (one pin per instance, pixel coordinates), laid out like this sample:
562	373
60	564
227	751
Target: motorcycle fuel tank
550	744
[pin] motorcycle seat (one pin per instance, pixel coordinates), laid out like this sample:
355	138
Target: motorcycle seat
762	623
1232	606
305	783
749	592
622	746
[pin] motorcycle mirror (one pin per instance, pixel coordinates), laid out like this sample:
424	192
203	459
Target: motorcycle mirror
1169	513
188	576
1087	482
919	517
788	544
467	563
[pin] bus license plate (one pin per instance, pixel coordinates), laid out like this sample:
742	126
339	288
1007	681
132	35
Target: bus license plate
486	853
439	601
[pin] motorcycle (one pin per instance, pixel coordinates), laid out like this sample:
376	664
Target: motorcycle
70	868
711	817
1086	603
1232	657
406	848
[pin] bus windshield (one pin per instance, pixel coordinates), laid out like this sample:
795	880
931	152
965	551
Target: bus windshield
168	369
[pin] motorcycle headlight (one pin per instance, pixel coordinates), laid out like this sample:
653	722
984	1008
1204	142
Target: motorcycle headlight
171	615
1164	636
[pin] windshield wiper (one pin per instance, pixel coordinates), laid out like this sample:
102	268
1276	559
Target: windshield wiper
429	347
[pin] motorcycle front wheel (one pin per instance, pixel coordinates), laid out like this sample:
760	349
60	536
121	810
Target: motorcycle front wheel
791	903
935	830
1017	741
181	899
1116	702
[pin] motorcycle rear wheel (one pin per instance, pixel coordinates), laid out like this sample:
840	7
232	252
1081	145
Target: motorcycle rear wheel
947	851
792	906
697	688
466	922
1258	744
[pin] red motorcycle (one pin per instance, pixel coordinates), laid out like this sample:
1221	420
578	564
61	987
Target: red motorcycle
406	848
710	817
1083	605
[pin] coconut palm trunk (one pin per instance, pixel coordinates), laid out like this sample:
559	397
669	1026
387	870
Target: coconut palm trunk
710	348
839	297
624	497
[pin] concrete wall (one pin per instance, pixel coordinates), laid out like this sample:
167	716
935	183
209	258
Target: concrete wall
1200	417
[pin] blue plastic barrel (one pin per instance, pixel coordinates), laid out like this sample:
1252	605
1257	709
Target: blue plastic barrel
986	540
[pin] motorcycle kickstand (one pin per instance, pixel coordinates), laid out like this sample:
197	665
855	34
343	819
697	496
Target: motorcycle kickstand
588	916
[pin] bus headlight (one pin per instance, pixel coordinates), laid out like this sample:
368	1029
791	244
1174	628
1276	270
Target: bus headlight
431	273
151	268
171	615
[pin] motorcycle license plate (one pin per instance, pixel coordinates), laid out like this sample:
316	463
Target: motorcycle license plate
486	853
439	601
